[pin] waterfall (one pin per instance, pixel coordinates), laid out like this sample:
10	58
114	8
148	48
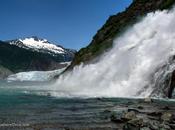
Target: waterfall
131	68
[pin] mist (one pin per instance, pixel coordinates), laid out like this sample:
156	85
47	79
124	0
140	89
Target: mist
129	66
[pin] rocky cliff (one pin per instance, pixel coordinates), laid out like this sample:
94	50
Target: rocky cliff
115	25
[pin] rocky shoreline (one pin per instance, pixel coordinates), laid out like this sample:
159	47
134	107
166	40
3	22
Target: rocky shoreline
109	114
146	115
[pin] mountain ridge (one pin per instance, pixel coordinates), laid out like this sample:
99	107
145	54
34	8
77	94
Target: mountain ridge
16	56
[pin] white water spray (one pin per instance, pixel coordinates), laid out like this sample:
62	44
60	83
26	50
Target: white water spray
129	66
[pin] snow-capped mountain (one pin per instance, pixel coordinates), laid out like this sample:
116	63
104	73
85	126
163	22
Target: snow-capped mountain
40	45
32	54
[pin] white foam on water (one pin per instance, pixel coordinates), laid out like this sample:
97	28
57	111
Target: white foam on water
128	67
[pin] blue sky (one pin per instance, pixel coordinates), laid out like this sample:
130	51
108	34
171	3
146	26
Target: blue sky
70	23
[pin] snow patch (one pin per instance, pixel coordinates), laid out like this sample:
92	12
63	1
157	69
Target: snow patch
39	44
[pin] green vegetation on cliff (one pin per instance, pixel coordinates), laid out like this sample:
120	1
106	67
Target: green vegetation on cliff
115	25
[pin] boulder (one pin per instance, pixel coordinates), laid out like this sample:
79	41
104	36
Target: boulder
167	117
130	115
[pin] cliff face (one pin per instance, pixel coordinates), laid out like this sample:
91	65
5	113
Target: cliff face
115	25
4	72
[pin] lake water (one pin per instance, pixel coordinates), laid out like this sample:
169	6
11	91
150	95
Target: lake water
21	109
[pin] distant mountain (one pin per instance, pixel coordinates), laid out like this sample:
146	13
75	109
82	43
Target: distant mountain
40	45
32	54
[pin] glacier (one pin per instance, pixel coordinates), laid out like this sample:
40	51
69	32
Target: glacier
35	75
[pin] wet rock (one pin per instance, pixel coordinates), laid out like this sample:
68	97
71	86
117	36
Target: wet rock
113	117
136	122
140	107
165	127
133	109
156	113
153	118
172	126
121	117
154	125
130	115
107	111
173	118
148	100
117	117
130	127
166	108
145	128
167	117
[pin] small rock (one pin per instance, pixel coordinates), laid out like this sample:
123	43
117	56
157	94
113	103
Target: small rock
136	122
133	109
173	117
117	117
145	128
172	126
107	111
128	126
130	115
154	125
156	113
167	117
148	100
140	107
165	126
166	108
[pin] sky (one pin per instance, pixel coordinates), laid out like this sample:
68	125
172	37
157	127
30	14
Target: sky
70	23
